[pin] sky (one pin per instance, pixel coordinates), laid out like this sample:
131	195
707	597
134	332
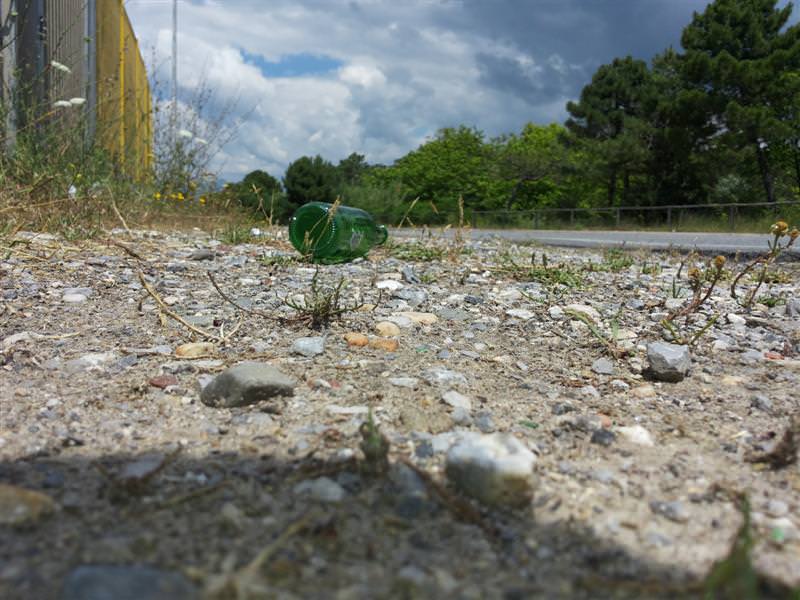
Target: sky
380	77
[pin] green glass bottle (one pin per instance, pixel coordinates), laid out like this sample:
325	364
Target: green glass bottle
334	236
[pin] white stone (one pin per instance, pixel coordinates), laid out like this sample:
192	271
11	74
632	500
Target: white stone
308	346
736	320
636	434
22	336
389	284
556	312
322	489
405	382
457	400
73	298
520	313
335	409
496	469
584	310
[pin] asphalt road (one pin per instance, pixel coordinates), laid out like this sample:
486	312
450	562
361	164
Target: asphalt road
725	243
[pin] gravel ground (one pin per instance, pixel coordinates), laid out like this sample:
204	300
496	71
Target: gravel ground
115	471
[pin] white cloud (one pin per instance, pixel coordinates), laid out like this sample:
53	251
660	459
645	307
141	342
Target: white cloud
405	69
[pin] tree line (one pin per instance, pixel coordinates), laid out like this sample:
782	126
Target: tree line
717	121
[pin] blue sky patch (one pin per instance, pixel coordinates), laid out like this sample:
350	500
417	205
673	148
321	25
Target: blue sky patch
293	65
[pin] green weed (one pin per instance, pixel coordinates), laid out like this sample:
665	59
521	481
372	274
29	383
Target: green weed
322	304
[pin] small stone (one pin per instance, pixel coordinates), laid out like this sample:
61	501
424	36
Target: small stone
22	507
335	409
495	469
586	311
356	339
385	344
457	400
442	376
93	361
619	386
202	254
636	434
484	422
308	346
409	275
736	320
246	383
73	298
195	350
674	511
404	382
603	366
163	381
776	508
322	489
792	307
389	284
387	329
761	402
603	437
420	318
521	313
127	582
668	362
556	313
461	416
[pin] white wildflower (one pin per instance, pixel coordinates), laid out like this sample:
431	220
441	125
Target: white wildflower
61	67
77	101
62	104
185	133
201	141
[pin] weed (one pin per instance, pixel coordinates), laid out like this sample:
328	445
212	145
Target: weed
770	300
234	234
322	304
375	447
651	269
279	260
713	273
416	252
762	263
609	341
544	273
614	260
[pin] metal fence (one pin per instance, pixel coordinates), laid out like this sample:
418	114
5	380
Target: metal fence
671	216
95	41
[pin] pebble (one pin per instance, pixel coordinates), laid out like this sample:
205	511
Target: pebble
584	310
246	383
442	376
776	508
387	329
389	284
356	339
74	298
736	320
521	313
484	422
94	361
385	344
202	254
420	318
792	307
603	366
308	346
556	313
404	382
195	350
674	511
322	489
23	507
163	381
461	416
668	362
495	469
603	437
457	400
636	434
761	402
127	582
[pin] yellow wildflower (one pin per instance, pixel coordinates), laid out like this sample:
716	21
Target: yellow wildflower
719	262
779	228
157	195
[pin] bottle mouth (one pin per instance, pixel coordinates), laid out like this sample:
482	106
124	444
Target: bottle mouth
383	234
312	229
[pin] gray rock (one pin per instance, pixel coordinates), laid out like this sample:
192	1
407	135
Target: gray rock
792	307
495	469
485	422
635	304
246	383
461	416
761	402
457	400
413	297
322	489
309	346
442	376
603	366
202	254
127	582
405	382
603	437
674	511
94	361
776	508
409	276
668	362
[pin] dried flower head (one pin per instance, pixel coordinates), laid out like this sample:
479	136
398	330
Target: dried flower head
719	262
779	228
794	234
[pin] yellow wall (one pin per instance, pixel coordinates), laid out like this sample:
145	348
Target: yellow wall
124	121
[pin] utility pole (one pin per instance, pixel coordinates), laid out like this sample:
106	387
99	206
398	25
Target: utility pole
174	71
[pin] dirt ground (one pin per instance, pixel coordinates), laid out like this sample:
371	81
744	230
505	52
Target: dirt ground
275	499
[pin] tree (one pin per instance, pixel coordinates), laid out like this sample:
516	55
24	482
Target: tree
531	162
610	121
739	55
256	189
310	180
456	163
352	168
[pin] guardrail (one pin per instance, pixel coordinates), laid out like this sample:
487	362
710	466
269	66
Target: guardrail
673	213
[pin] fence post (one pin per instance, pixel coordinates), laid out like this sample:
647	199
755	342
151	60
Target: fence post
536	219
669	217
618	220
571	217
473	219
732	218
